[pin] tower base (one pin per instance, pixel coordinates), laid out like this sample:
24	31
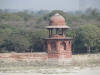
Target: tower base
59	61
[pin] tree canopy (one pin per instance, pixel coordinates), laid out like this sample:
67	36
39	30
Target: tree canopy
24	31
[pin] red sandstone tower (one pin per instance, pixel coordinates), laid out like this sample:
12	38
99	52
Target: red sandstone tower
57	44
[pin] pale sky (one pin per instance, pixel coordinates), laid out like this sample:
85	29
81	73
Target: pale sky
67	5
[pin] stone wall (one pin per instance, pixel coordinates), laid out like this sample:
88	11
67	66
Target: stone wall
36	56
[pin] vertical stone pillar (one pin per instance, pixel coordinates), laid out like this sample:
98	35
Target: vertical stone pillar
62	31
58	48
49	33
56	31
48	45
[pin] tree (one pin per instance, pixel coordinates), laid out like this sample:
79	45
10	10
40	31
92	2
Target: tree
11	39
87	38
37	40
16	43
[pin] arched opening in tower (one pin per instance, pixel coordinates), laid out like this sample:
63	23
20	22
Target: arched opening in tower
63	46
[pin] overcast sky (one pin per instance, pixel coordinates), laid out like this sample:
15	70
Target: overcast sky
67	5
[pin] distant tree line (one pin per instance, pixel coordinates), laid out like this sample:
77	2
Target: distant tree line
24	31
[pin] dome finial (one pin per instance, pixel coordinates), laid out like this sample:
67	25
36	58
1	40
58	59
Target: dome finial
57	14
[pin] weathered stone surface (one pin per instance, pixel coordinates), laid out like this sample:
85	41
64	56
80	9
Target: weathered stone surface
24	56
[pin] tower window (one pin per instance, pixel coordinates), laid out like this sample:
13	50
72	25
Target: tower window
63	46
53	45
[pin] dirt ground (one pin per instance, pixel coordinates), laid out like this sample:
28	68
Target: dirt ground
85	71
88	64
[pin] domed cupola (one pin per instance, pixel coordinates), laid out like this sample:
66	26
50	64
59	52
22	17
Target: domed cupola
57	20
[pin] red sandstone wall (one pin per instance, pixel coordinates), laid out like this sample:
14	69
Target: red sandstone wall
24	56
59	50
